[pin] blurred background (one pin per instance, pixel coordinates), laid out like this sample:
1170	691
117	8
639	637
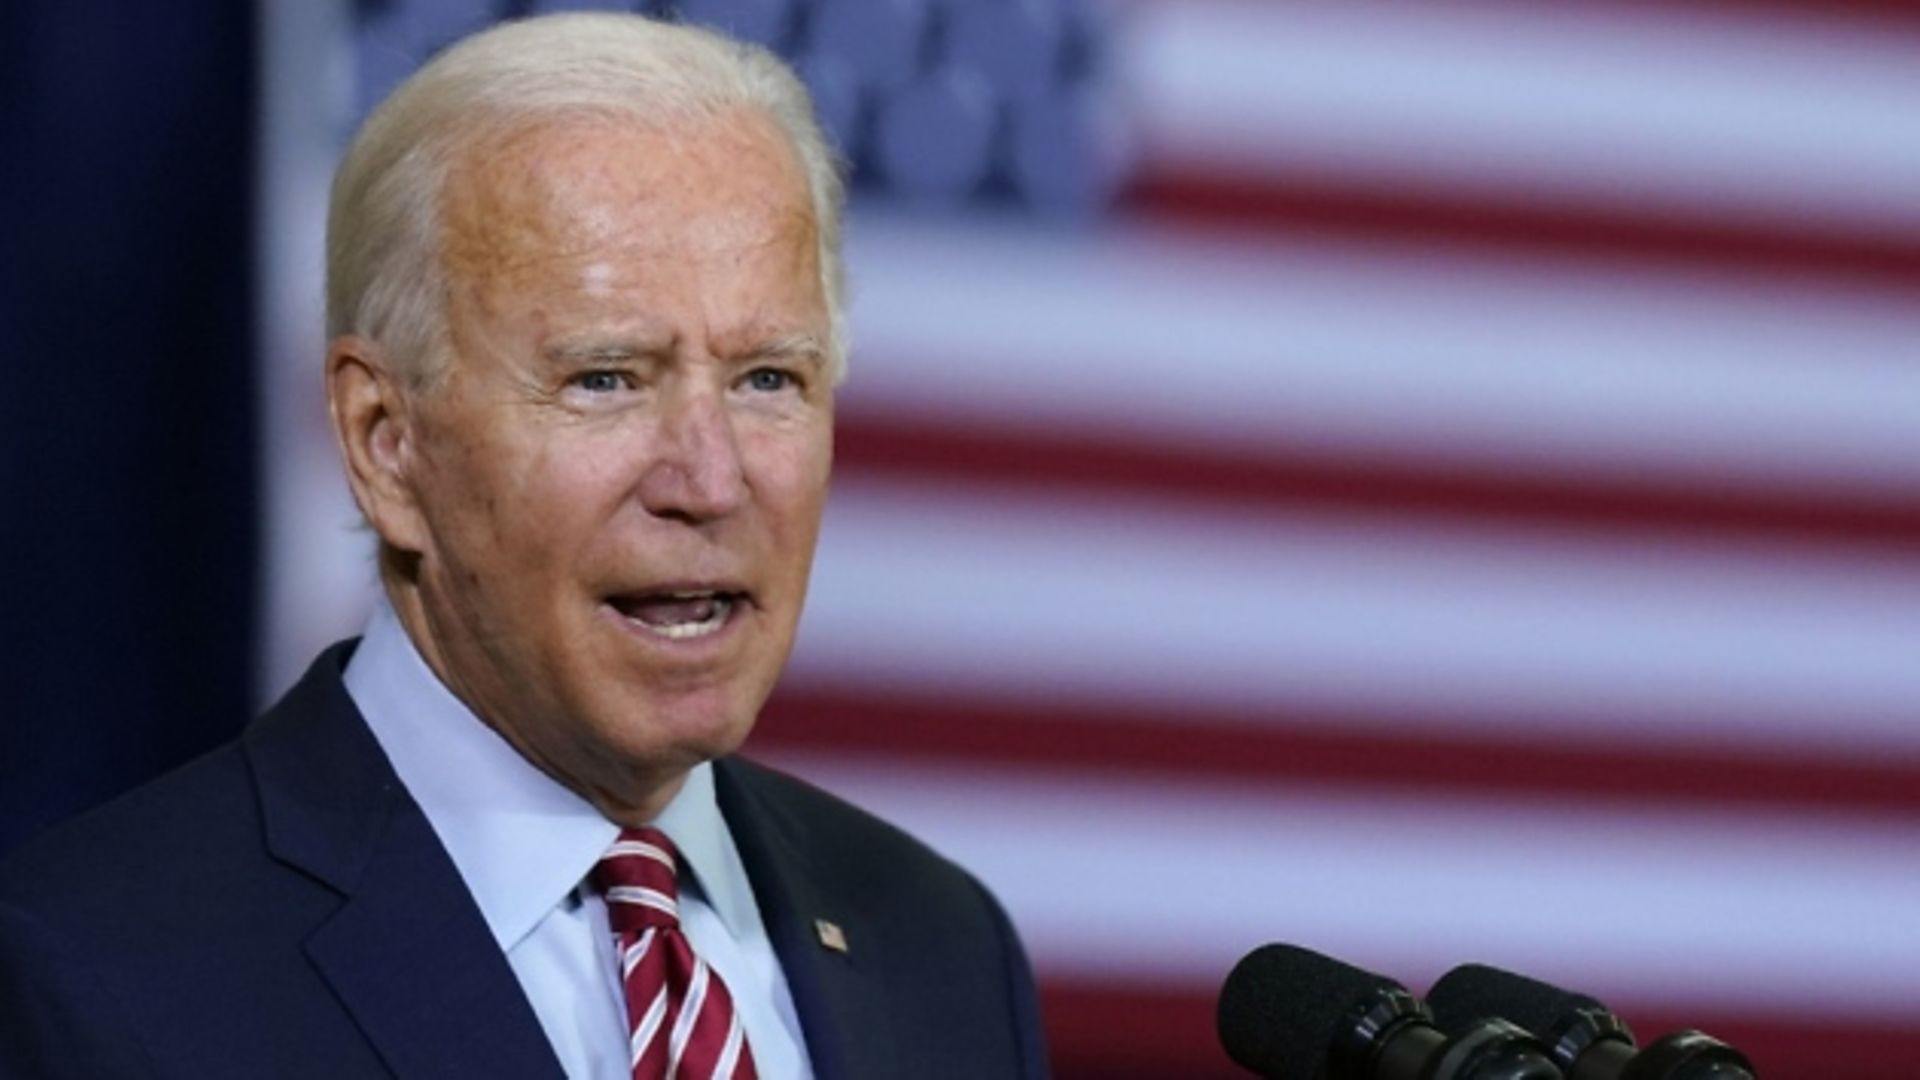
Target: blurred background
1426	482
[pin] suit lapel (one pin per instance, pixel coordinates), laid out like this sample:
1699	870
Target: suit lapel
407	953
412	959
839	994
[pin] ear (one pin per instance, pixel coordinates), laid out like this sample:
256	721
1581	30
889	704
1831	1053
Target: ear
375	425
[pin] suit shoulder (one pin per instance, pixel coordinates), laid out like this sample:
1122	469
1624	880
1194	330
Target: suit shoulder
837	831
165	830
193	839
929	923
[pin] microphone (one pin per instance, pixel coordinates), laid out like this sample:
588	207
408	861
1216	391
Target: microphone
1289	1013
1585	1040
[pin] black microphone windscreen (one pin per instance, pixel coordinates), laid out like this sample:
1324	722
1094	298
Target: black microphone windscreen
1282	1006
1474	992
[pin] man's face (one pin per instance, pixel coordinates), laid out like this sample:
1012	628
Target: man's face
622	472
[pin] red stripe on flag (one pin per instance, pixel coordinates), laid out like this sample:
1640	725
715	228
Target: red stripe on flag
1115	739
1082	462
1830	11
1113	1031
1118	1031
1410	216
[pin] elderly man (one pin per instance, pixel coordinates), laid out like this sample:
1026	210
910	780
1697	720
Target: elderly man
583	287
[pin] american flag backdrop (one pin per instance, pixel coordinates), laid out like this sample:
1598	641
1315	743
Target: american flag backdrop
1425	482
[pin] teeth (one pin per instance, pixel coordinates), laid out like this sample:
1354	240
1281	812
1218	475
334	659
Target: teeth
722	607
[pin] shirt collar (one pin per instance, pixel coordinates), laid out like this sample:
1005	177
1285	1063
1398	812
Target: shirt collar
521	841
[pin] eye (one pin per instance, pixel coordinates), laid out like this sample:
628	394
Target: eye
769	380
600	382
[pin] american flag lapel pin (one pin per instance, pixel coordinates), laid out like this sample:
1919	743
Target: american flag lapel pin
831	936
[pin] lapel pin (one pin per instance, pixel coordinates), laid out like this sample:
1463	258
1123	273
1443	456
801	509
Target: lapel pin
831	936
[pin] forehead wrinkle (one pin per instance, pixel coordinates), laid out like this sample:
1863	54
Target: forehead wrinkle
507	208
505	239
502	234
546	186
558	201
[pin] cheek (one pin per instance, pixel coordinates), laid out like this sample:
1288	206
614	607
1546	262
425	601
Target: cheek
561	497
517	501
789	470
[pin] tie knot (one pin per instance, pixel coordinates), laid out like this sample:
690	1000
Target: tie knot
636	877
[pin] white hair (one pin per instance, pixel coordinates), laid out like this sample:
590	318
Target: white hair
384	278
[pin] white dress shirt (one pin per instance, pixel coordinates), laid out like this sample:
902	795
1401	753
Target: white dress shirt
524	845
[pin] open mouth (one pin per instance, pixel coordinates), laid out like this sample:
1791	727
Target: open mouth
679	615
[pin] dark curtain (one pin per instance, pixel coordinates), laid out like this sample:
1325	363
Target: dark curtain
127	394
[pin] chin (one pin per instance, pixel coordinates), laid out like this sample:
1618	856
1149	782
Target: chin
683	733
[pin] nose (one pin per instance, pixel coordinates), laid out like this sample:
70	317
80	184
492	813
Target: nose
695	474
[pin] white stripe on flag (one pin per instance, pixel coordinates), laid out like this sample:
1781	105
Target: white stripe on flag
1407	355
1706	910
1487	631
1688	112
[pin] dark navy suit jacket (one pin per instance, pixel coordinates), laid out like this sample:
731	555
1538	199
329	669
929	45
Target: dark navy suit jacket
281	908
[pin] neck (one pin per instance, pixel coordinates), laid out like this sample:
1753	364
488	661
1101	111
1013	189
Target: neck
626	795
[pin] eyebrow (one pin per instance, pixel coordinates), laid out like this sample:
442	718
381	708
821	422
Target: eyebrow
800	346
796	346
600	351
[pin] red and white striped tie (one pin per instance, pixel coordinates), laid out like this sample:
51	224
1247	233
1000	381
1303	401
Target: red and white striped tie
680	1018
